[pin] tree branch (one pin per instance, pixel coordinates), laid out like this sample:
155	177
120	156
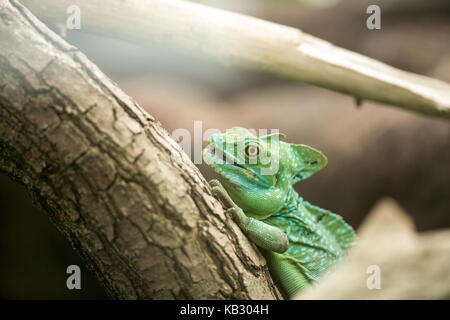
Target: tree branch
253	43
111	179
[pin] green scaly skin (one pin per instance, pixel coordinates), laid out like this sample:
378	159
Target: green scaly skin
299	240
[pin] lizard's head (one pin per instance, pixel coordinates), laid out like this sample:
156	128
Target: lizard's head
258	172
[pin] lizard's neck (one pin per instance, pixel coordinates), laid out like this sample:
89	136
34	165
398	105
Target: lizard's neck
292	201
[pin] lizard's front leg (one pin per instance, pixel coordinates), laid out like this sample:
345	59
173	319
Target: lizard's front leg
264	235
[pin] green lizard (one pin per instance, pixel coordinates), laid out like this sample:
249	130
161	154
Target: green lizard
299	240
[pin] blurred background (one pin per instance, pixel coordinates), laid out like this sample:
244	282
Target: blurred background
373	150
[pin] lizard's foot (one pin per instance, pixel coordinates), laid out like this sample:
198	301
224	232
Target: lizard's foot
219	191
214	182
236	213
238	216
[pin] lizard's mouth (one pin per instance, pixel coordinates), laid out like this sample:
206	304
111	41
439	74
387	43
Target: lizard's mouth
219	154
219	157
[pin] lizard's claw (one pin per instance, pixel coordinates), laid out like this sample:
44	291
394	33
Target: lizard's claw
219	191
238	216
214	183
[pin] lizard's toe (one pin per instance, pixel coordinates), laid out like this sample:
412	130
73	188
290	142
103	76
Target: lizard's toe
216	191
214	182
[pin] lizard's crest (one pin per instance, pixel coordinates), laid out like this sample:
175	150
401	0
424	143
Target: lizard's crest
307	161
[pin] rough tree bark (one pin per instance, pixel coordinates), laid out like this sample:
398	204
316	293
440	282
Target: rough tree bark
111	179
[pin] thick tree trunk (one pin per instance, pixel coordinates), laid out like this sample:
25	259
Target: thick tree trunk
110	177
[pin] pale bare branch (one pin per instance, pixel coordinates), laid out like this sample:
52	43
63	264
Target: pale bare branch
253	43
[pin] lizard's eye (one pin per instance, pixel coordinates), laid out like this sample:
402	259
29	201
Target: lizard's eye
252	150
